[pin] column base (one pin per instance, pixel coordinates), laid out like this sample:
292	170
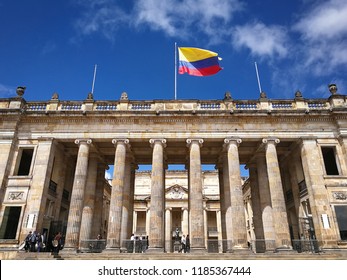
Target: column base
69	250
198	250
123	250
156	250
240	251
285	251
112	249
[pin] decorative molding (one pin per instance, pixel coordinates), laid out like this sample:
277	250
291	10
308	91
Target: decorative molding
340	195
176	192
15	195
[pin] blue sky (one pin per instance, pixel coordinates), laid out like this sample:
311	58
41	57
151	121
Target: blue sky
52	46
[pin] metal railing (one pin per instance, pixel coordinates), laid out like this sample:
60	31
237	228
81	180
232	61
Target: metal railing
93	245
213	246
134	246
306	245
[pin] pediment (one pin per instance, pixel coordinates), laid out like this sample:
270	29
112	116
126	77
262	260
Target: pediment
176	192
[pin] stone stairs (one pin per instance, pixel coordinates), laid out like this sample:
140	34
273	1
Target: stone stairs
333	255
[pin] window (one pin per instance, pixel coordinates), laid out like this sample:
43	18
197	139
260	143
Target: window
10	222
341	217
329	157
26	156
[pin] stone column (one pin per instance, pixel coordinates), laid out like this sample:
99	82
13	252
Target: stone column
256	209
126	203
89	200
131	199
98	205
148	215
77	195
279	211
293	163
206	226
116	204
196	219
318	196
265	204
226	207
135	221
219	230
168	231
156	230
185	221
237	215
222	203
60	159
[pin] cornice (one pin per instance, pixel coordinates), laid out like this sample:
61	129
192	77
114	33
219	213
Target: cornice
179	119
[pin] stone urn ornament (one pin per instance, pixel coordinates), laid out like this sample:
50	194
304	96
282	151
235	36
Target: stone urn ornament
332	88
20	91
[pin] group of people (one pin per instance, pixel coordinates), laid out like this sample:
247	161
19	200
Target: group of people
138	244
37	242
185	244
185	241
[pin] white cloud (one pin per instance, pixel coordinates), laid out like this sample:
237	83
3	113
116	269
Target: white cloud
173	18
323	33
104	17
262	40
178	19
327	21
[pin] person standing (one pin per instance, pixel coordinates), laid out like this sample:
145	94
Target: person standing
187	244
39	242
183	244
33	242
56	243
27	242
132	244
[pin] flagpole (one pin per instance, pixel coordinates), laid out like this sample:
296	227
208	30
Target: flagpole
175	70
94	78
256	70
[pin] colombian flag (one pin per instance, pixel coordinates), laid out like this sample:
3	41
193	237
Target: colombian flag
198	62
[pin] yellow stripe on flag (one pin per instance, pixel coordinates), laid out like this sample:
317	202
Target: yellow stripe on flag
194	54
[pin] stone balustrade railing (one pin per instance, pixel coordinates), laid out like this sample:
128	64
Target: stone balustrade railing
162	106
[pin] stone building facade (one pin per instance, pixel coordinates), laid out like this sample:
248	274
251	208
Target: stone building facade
54	155
177	207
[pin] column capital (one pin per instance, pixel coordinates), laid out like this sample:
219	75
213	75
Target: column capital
274	141
160	141
168	208
184	208
236	141
124	141
229	141
190	141
80	141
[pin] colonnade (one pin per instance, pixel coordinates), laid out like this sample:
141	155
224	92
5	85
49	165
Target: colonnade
269	206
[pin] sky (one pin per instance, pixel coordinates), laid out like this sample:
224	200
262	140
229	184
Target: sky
53	46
